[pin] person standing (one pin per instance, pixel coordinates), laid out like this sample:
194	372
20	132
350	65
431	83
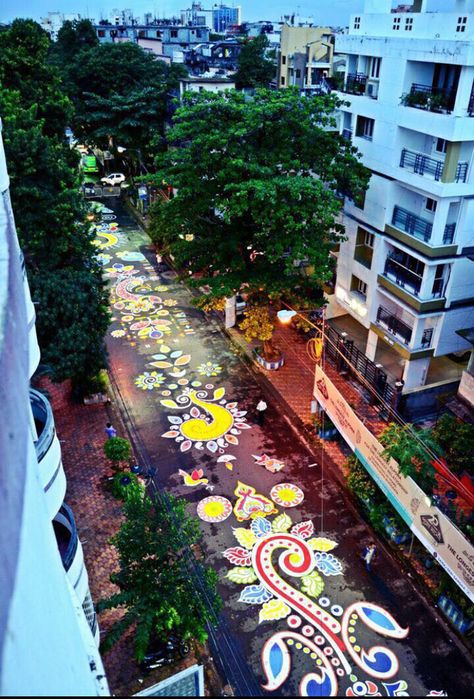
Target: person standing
110	430
261	407
368	555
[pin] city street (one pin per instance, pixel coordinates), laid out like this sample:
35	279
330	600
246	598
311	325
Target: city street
309	618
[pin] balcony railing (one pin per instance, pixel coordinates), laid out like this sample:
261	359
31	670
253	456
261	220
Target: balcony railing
422	164
426	338
355	83
44	421
412	224
432	98
66	535
394	325
402	276
449	231
470	106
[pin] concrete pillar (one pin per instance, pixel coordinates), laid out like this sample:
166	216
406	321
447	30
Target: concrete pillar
371	347
451	161
426	288
415	372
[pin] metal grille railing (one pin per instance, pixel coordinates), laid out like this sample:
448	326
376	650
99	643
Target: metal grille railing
394	325
412	224
355	83
449	230
403	277
421	164
470	106
442	96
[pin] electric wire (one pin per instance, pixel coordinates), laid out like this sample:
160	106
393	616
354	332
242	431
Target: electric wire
391	410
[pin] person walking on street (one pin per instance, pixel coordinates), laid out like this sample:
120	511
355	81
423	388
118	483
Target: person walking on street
110	430
368	555
261	407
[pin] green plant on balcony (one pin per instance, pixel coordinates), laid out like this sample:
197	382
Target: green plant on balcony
437	102
415	99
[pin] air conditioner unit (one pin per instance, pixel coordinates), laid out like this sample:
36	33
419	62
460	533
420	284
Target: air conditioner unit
372	89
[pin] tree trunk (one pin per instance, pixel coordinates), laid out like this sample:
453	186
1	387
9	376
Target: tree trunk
270	353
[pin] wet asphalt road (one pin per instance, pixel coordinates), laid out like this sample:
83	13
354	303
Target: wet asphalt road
428	659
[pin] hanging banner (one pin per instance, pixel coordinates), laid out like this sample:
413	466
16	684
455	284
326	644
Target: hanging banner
435	531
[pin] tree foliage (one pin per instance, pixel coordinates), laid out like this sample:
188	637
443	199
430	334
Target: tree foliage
118	449
456	440
120	93
155	587
411	447
254	69
258	190
64	277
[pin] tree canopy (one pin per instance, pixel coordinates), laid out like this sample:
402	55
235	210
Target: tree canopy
156	588
120	93
259	188
254	69
64	277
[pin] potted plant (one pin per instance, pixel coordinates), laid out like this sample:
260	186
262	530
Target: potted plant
437	102
415	99
455	605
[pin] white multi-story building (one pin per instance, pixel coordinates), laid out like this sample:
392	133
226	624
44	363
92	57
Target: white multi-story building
406	271
55	20
48	628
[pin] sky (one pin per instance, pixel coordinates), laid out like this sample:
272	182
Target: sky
333	12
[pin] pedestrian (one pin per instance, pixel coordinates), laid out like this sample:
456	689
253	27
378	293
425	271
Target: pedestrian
110	430
261	407
368	555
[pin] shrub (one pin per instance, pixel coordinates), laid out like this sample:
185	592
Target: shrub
117	449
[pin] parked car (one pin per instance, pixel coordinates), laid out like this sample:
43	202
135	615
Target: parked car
114	179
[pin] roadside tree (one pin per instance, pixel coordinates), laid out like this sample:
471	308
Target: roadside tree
156	591
254	69
260	184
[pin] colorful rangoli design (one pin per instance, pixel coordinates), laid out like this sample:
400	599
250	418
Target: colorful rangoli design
287	495
214	509
251	504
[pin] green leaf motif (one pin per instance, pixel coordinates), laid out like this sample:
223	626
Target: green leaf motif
312	584
281	524
240	575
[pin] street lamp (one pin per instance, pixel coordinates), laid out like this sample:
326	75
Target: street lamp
122	149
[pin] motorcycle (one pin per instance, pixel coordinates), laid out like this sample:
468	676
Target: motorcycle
164	653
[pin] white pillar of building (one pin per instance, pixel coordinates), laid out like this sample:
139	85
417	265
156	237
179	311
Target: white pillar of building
371	348
415	372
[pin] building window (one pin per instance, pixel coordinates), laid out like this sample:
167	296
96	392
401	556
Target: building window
431	204
101	33
298	73
283	60
441	145
356	22
461	25
369	239
396	23
362	287
374	67
282	79
365	127
408	24
174	33
158	35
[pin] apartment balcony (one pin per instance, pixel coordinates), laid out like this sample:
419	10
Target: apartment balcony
402	276
355	84
434	99
48	453
33	347
400	330
405	285
470	105
422	164
412	224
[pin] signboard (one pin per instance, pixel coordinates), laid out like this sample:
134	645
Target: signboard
142	193
435	531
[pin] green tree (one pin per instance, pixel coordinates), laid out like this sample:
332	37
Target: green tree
64	277
254	69
24	47
259	189
456	440
155	587
121	94
412	448
117	449
73	37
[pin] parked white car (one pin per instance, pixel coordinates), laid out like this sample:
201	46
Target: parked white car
113	179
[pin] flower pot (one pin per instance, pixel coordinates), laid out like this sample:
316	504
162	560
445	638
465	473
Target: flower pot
462	623
270	366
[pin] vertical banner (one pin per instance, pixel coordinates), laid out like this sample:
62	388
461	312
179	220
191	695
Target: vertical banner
435	531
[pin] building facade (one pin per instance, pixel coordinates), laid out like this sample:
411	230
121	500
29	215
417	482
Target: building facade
172	35
55	20
49	635
224	17
406	270
305	56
